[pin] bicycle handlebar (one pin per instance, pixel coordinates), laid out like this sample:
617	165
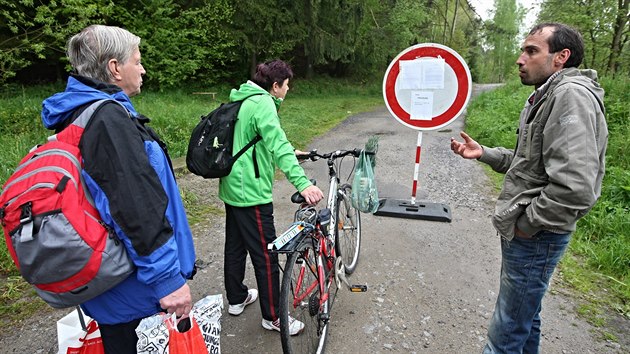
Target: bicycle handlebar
313	155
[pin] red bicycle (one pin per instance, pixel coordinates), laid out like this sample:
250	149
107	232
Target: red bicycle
322	247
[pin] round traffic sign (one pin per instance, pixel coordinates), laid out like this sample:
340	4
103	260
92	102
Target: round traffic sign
427	86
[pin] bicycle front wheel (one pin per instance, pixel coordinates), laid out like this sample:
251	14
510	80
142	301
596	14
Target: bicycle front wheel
348	230
301	300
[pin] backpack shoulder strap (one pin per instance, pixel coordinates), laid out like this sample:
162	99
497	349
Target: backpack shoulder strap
251	143
256	139
85	116
72	133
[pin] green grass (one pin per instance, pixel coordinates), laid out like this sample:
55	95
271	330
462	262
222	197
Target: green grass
18	300
310	109
602	239
599	252
196	210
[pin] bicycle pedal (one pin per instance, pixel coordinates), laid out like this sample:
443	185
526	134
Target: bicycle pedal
358	288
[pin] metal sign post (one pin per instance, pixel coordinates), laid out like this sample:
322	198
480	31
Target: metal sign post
426	87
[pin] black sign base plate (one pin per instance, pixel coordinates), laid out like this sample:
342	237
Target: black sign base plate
419	210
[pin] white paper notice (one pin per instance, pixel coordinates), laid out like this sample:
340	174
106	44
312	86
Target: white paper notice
421	105
421	74
433	73
410	77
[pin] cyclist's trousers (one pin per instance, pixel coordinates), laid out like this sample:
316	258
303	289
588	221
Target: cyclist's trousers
249	230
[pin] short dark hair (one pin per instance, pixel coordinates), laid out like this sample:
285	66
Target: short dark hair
564	37
272	71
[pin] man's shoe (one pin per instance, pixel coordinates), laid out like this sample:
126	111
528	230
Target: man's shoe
235	310
295	327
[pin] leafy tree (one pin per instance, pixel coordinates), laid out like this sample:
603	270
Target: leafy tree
604	24
265	29
333	29
215	40
33	32
395	25
620	30
190	44
406	24
502	39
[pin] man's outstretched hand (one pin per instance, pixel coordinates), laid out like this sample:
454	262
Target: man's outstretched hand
469	149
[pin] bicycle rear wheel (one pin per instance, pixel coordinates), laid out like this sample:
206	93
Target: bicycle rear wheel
348	230
300	298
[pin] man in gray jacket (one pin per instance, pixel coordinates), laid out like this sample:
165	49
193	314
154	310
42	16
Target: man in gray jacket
553	177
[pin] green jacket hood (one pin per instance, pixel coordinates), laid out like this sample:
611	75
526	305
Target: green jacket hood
249	89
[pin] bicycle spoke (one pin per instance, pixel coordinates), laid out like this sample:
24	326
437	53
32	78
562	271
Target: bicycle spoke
300	298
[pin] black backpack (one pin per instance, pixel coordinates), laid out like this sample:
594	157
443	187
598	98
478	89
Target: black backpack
210	148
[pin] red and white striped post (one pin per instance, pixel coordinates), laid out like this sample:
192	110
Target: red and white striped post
416	169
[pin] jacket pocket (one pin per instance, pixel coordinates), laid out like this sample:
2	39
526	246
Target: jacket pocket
505	220
525	142
530	181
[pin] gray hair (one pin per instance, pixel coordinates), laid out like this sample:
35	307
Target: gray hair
90	50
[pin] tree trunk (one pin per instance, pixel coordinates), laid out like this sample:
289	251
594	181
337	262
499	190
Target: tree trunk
450	40
445	21
309	47
253	63
621	21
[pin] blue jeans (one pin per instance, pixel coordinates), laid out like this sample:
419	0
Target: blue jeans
527	266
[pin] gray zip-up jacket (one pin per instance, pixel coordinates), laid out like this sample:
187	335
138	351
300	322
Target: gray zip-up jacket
554	175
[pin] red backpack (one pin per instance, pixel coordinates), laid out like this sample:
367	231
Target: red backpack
53	232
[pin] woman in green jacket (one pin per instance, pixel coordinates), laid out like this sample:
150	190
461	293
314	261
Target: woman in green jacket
247	193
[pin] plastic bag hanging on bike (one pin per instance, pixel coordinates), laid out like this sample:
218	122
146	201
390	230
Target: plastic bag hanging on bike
364	192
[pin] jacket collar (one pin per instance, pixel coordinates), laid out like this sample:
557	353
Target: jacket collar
79	91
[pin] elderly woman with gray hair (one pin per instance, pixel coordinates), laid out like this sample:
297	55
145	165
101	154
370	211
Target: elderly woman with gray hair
128	173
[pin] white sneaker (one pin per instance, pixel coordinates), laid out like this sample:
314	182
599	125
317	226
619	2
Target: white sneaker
235	310
295	326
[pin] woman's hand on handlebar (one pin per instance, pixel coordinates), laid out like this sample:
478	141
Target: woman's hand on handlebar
302	155
312	194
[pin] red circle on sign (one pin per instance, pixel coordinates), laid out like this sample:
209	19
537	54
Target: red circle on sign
453	60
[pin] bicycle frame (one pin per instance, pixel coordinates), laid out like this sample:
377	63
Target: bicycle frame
322	250
333	193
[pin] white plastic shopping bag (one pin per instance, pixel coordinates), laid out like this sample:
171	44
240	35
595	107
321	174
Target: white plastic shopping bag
153	332
208	315
153	335
75	337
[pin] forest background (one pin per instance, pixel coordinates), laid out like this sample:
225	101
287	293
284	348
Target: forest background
339	50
